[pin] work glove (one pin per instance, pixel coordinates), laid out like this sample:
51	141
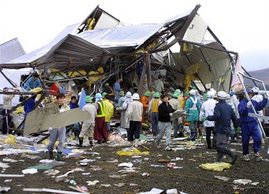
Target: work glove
249	104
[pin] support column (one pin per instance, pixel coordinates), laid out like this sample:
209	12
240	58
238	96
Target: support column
148	69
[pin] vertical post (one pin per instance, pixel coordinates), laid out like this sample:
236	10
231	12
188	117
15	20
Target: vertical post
148	69
141	81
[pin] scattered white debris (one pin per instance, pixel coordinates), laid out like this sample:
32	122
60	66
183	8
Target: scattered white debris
171	191
92	183
126	164
51	172
12	175
152	191
4	165
113	161
9	160
29	171
145	174
105	185
119	184
133	185
176	159
4	189
242	181
222	178
254	183
86	173
51	191
46	161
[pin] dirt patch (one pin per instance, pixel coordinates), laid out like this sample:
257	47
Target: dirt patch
150	171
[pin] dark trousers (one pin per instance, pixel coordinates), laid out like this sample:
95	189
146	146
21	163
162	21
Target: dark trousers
208	131
6	124
154	123
134	130
222	146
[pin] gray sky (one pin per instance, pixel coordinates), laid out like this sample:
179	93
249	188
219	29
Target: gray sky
241	25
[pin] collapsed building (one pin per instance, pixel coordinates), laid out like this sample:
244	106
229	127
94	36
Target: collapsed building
101	49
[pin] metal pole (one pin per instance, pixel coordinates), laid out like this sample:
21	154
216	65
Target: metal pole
254	80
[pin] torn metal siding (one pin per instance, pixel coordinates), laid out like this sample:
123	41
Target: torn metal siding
69	50
10	50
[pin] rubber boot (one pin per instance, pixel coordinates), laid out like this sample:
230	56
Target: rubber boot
59	156
51	155
80	140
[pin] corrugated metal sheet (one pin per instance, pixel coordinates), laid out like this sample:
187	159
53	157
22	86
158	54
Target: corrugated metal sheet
127	36
10	50
69	50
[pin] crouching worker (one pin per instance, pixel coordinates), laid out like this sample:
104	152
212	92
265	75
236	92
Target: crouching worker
223	114
57	133
88	125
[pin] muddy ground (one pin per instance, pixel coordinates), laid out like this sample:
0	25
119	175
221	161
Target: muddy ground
151	171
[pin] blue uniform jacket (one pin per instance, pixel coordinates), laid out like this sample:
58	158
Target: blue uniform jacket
244	110
223	114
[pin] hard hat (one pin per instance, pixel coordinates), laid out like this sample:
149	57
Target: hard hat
136	96
213	90
128	94
147	93
255	89
98	95
156	95
176	94
210	94
192	92
104	94
121	93
222	95
88	99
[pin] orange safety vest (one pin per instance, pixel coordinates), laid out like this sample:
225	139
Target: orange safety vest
155	105
101	112
144	101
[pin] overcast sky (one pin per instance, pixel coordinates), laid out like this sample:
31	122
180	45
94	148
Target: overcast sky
241	25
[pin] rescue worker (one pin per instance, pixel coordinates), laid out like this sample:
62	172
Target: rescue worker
88	125
207	109
174	102
124	121
153	111
223	115
192	108
100	129
117	89
109	90
134	114
250	126
109	110
145	101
